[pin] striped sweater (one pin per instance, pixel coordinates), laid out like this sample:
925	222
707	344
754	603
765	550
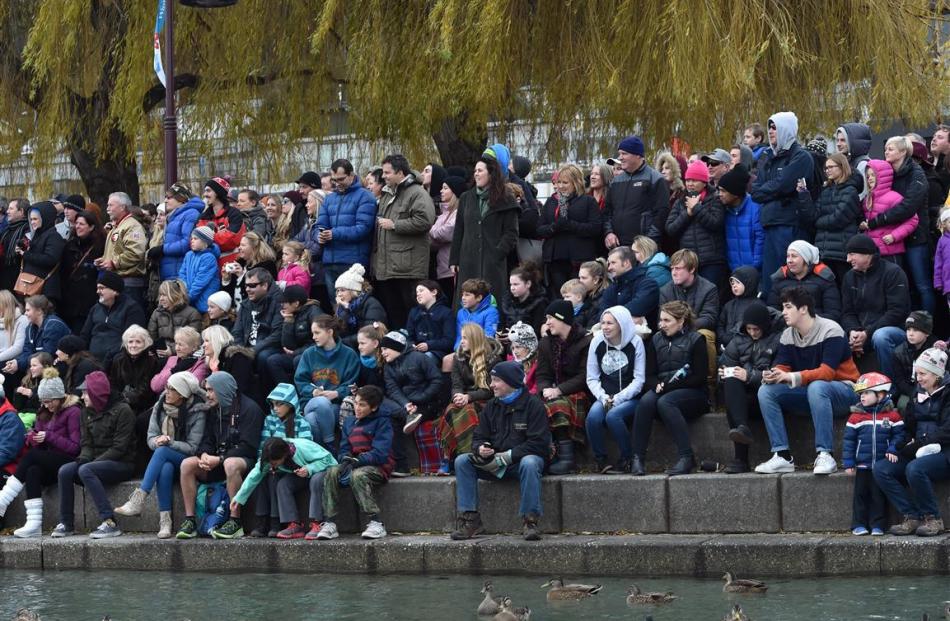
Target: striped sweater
821	355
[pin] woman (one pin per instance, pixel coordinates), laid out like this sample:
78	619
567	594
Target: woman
881	199
525	300
616	371
593	275
79	269
836	213
252	252
182	209
673	169
293	206
277	227
676	386
12	238
697	222
373	181
175	428
440	235
474	358
42	334
600	177
355	306
188	357
570	227
133	368
172	313
486	228
74	363
657	263
221	354
52	443
13	325
153	275
45	251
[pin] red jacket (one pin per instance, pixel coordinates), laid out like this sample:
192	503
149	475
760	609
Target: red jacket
228	225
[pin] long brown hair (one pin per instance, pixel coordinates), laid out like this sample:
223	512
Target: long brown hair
496	180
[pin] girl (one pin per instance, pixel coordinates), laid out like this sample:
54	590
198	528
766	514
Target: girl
13	325
173	312
220	311
431	324
27	399
74	363
355	307
836	213
295	262
175	428
524	350
593	274
52	443
252	252
942	259
525	300
880	198
441	233
199	270
474	358
188	357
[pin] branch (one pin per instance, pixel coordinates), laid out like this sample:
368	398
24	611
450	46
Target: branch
156	94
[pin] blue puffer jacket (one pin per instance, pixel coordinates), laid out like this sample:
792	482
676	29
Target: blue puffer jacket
780	168
745	237
658	268
178	230
870	434
199	271
485	315
352	218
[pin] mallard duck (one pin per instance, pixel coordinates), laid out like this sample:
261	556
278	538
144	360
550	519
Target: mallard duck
946	610
25	614
743	585
557	590
489	605
636	596
510	613
736	614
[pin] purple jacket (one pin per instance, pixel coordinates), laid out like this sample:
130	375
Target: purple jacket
62	431
942	264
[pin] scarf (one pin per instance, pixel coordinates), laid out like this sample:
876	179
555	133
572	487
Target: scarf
369	362
482	194
349	315
511	398
562	205
170	422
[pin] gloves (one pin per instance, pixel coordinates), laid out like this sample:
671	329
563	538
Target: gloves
156	253
927	449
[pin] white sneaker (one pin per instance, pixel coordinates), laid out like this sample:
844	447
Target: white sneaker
328	531
411	423
374	530
825	464
776	465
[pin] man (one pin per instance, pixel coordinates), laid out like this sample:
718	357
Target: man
775	189
811	373
405	215
226	221
631	287
754	137
562	380
309	181
346	222
874	303
125	247
259	322
249	204
638	200
110	318
804	269
227	452
940	149
853	140
745	237
510	442
297	314
719	162
72	206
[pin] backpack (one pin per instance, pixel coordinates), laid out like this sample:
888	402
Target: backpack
212	507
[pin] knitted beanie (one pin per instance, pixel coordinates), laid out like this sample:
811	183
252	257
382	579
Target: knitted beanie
204	233
697	171
805	250
352	278
632	145
51	386
220	299
932	360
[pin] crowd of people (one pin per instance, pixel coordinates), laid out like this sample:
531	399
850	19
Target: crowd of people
259	346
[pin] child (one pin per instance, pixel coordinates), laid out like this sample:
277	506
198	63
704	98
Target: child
744	283
575	292
524	350
431	326
942	258
26	399
365	463
355	307
298	461
199	270
478	306
874	430
593	275
295	266
919	327
526	299
220	311
889	238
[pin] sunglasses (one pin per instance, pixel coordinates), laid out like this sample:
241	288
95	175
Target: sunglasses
713	164
253	285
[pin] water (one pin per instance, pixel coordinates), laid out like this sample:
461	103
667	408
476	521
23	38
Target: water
144	596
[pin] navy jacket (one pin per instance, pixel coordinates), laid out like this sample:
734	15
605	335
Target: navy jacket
435	326
634	290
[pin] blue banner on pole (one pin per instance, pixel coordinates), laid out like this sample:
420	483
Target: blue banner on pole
159	27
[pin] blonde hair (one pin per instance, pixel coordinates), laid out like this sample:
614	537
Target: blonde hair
667	158
282	226
646	246
219	339
303	255
573	174
375	331
136	330
477	353
262	252
943	227
176	291
190	336
842	161
903	144
8	312
574	286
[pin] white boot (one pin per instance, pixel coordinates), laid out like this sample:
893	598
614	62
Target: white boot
164	524
9	493
34	519
134	504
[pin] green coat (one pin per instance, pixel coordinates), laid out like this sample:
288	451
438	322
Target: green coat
309	454
109	435
404	251
480	245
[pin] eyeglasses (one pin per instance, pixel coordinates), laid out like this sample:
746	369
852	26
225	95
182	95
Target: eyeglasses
253	285
831	166
286	200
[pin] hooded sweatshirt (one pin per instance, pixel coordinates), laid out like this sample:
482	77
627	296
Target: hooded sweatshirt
858	138
881	199
730	319
617	371
107	433
274	426
304	454
233	429
780	168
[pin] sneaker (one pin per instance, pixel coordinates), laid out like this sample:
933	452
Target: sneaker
62	530
314	530
411	423
877	532
229	530
444	469
931	527
328	531
825	463
776	465
188	529
621	467
908	527
859	531
294	530
374	530
107	529
135	503
273	530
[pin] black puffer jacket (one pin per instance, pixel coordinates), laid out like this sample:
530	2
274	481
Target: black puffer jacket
836	215
820	283
574	235
46	251
752	355
414	378
703	232
911	183
295	334
531	311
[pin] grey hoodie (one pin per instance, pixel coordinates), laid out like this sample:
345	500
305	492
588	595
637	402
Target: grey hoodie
858	138
616	359
786	131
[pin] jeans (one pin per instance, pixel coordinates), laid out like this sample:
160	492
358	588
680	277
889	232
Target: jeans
528	471
673	408
777	239
162	469
39	468
884	341
919	474
92	476
322	413
316	496
616	420
918	261
279	368
825	401
287	488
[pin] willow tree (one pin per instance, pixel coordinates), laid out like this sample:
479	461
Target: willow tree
432	74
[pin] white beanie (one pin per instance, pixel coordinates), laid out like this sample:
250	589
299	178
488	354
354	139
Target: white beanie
220	299
805	250
184	383
352	278
933	361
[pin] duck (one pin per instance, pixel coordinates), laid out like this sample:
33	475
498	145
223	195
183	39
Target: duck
946	611
736	614
489	605
557	590
744	585
636	596
509	613
25	614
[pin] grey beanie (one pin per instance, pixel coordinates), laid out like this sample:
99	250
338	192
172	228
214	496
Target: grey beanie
51	386
224	386
185	383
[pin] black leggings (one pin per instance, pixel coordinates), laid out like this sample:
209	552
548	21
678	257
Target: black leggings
740	398
38	468
673	408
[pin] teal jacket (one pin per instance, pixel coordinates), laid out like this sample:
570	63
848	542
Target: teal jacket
336	369
307	453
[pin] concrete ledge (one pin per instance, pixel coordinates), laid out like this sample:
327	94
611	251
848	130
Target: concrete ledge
610	504
21	553
722	503
813	503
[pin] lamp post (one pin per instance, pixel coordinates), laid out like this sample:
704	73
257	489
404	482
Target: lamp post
170	121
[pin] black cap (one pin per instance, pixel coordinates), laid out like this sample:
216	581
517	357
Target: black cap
562	310
112	281
861	244
294	293
75	201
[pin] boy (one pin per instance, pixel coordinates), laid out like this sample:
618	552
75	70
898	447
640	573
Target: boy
199	269
478	306
366	461
575	292
874	430
919	327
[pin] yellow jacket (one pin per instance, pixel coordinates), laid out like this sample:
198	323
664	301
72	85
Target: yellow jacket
125	247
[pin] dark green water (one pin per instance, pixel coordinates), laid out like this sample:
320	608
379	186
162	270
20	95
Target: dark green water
142	596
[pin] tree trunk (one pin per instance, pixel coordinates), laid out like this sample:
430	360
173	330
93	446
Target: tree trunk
459	145
102	175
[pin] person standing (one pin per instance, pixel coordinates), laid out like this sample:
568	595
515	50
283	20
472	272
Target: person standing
43	257
181	214
345	223
637	200
226	221
125	248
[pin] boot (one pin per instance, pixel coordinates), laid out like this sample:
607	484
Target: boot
684	465
741	434
564	463
164	524
34	519
532	532
908	527
134	505
931	527
9	493
637	467
468	526
741	462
